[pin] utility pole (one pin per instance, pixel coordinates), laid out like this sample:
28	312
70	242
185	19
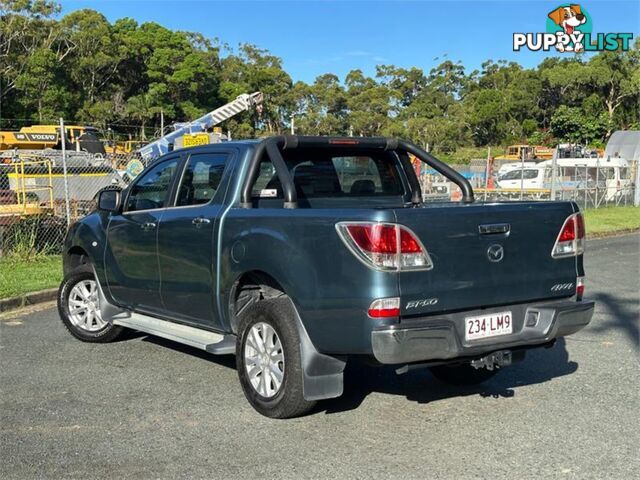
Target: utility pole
161	122
487	173
636	194
522	175
293	125
554	167
63	143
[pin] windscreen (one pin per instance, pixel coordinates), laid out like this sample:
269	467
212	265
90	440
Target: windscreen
330	173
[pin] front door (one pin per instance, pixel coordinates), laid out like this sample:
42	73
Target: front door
131	259
187	241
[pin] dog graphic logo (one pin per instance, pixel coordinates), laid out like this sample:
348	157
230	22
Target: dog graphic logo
569	29
569	18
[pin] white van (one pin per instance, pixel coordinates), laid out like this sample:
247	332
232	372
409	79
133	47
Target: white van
534	177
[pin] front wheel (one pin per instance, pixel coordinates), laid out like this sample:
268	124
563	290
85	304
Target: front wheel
462	374
268	359
79	308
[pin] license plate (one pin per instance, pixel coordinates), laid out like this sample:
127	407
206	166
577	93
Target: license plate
491	325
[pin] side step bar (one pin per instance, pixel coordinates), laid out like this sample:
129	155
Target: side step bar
212	342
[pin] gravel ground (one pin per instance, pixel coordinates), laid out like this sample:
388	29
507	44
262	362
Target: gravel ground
149	408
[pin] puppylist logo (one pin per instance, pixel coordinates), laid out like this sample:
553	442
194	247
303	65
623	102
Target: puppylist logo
569	29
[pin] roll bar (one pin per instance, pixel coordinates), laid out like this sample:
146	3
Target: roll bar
273	146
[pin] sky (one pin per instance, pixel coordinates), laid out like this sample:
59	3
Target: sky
316	37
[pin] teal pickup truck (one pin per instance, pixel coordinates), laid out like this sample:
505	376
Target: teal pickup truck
297	253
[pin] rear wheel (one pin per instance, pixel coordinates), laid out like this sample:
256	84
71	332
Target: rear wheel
462	374
268	359
79	308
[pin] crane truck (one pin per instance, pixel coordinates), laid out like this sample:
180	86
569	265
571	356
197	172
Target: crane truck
198	128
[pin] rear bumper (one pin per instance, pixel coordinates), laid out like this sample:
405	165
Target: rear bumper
442	337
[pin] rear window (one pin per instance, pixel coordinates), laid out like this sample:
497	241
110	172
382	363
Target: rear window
328	174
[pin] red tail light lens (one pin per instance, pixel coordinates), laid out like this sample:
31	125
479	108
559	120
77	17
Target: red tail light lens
409	243
374	238
385	246
581	231
570	241
568	232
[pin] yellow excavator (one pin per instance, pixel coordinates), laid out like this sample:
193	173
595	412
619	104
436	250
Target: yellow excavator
123	148
40	137
530	153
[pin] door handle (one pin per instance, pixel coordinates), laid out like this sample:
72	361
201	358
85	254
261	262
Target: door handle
148	226
200	220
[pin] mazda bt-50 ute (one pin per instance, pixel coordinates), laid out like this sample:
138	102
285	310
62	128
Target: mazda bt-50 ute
295	253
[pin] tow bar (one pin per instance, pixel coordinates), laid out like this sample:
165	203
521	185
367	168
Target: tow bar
498	359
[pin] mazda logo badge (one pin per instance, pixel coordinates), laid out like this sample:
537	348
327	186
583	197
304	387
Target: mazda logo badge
495	253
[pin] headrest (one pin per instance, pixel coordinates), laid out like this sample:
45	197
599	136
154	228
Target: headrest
363	187
315	180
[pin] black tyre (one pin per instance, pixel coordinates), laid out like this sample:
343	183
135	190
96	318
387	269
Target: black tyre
268	359
79	309
462	374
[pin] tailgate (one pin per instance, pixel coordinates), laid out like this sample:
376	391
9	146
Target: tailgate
464	276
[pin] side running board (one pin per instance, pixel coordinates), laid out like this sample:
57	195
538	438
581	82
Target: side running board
212	342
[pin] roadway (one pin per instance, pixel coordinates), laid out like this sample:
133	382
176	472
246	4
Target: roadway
150	408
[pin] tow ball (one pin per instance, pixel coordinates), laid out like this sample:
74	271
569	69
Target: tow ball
498	359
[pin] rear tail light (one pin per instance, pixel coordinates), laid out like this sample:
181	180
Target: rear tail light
385	246
385	308
579	288
570	241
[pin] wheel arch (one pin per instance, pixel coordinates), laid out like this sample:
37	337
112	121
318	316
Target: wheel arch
322	374
250	287
74	257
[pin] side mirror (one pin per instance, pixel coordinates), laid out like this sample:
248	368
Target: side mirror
109	200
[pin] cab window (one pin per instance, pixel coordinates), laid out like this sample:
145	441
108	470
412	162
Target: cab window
201	179
151	190
325	174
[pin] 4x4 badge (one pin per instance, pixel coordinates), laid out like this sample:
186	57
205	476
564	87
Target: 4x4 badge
495	253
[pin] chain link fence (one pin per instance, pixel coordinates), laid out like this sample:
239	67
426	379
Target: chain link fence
41	193
596	183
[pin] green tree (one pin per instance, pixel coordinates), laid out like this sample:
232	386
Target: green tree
572	125
615	76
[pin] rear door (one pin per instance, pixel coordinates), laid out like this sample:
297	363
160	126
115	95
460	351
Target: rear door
486	255
186	240
131	261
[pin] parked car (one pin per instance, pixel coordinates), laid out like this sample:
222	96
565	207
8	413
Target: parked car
297	253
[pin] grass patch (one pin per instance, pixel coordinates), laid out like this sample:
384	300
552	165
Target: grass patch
609	220
19	276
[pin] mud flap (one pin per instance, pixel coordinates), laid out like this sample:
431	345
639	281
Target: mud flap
108	311
323	374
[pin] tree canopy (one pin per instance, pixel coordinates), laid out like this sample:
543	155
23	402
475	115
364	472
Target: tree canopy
122	76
